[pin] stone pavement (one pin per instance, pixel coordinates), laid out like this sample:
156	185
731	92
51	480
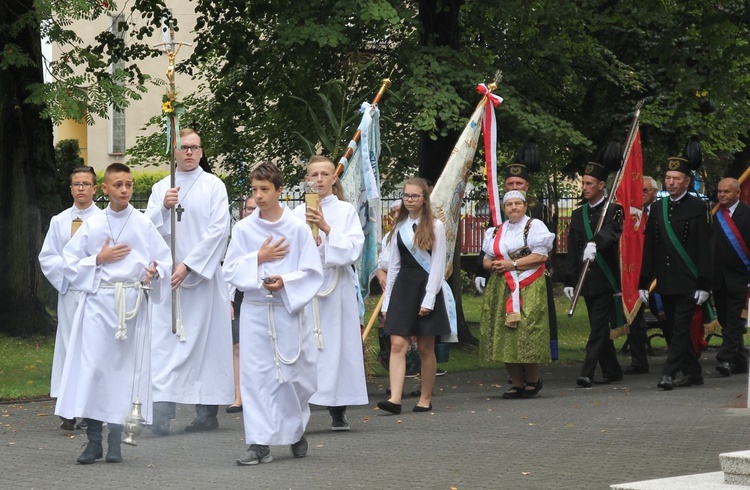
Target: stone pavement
569	438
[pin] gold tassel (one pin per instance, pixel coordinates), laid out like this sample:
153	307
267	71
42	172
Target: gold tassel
712	328
619	332
512	319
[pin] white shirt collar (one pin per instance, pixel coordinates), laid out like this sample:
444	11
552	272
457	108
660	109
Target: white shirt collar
678	198
733	207
597	202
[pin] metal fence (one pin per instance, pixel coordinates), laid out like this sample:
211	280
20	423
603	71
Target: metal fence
474	213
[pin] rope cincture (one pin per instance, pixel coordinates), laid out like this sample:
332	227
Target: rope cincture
278	358
316	304
180	327
120	304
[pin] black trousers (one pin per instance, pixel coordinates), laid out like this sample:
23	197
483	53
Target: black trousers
729	307
638	340
600	348
678	308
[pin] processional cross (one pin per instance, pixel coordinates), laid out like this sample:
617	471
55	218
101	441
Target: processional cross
172	125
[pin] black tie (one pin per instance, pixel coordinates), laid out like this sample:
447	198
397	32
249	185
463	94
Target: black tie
414	227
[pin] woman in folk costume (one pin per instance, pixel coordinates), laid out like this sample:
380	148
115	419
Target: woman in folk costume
415	282
515	324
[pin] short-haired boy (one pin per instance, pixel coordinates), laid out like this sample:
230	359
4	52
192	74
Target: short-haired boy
110	259
61	228
273	259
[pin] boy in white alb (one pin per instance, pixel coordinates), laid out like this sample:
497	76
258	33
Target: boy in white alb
272	258
110	259
62	227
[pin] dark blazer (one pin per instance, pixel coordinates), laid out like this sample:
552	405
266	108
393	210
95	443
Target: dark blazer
607	245
729	270
691	221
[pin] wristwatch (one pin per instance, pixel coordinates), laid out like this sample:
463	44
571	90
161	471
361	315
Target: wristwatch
515	265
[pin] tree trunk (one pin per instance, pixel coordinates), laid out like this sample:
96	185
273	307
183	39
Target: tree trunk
27	180
440	27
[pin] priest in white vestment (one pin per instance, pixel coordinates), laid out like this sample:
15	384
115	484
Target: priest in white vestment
335	310
108	362
62	227
277	348
195	366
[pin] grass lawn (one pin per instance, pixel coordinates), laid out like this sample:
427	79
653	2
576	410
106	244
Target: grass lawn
572	335
25	364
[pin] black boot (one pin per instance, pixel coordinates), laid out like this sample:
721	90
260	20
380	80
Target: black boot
338	418
205	419
163	412
93	449
114	439
67	424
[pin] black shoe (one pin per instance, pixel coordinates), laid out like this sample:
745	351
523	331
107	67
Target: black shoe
513	393
388	406
635	370
666	383
82	425
723	368
584	382
418	408
415	393
534	392
607	381
299	448
338	418
440	372
92	452
233	409
688	380
114	455
67	424
202	424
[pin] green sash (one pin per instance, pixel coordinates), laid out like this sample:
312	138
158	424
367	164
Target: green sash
619	311
686	259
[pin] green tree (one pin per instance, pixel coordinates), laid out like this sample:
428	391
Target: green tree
84	85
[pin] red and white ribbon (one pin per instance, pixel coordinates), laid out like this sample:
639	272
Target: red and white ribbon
489	130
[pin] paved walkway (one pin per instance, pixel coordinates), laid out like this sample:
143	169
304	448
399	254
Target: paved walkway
568	438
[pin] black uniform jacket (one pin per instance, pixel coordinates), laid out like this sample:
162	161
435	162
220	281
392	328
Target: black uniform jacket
692	224
729	270
607	246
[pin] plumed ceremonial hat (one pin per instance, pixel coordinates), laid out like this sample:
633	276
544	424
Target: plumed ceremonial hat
691	159
525	162
607	160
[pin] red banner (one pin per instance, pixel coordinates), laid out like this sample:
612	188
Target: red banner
629	194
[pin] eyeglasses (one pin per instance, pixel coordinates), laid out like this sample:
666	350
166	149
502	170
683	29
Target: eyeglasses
248	208
411	197
648	190
193	148
84	185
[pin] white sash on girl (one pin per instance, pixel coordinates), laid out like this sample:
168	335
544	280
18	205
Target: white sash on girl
424	260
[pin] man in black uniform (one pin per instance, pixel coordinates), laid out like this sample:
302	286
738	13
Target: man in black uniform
603	277
677	252
731	275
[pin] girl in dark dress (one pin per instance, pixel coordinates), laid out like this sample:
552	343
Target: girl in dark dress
414	303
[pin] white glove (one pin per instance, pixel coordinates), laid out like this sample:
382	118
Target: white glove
643	294
589	253
479	284
701	296
568	293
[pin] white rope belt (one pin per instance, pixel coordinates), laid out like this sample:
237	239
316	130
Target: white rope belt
316	304
122	315
278	358
179	326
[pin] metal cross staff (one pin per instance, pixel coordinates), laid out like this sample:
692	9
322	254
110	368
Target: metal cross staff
172	48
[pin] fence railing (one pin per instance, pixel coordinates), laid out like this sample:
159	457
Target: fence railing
474	213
